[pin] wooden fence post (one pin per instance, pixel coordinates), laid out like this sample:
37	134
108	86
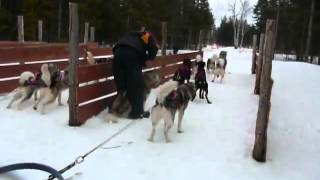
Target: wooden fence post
259	65
73	62
40	30
200	40
92	29
20	29
260	144
164	38
254	50
86	32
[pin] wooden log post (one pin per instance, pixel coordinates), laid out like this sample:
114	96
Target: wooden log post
40	30
92	31
259	65
73	62
200	40
86	32
260	144
254	50
164	38
20	29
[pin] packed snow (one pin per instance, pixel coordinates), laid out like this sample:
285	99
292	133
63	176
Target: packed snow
216	144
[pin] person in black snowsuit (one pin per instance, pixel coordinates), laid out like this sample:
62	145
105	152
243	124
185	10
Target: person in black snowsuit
131	54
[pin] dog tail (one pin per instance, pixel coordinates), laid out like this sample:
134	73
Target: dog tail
25	76
166	89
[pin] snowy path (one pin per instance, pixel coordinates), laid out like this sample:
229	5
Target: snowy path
216	143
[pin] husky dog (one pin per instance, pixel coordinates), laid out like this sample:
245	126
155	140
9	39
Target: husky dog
48	94
201	81
219	70
211	63
29	83
88	56
183	73
171	97
195	66
121	106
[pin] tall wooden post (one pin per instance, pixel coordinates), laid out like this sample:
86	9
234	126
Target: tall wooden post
200	40
260	144
92	29
20	29
254	50
73	62
164	38
86	32
40	30
259	65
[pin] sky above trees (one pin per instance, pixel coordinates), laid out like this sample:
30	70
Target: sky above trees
220	9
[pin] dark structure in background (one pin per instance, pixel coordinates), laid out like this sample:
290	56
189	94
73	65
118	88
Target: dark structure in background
111	19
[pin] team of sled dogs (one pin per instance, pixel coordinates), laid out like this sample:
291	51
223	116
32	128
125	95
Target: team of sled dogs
173	96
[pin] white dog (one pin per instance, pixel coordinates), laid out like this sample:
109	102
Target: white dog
219	69
211	63
27	86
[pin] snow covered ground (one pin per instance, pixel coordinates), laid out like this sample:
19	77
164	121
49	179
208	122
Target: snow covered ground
216	143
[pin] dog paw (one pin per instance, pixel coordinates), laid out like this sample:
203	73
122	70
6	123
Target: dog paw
150	139
8	107
115	121
168	141
180	131
60	104
209	102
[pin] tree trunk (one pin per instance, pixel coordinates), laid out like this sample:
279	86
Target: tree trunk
164	38
200	40
254	50
59	19
73	62
238	30
259	65
189	38
235	43
307	50
260	145
242	34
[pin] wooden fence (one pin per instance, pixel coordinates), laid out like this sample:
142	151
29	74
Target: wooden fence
93	98
16	59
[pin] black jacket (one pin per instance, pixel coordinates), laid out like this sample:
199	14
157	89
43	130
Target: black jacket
147	48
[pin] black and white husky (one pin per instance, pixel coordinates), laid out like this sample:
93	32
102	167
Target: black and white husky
219	69
171	98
